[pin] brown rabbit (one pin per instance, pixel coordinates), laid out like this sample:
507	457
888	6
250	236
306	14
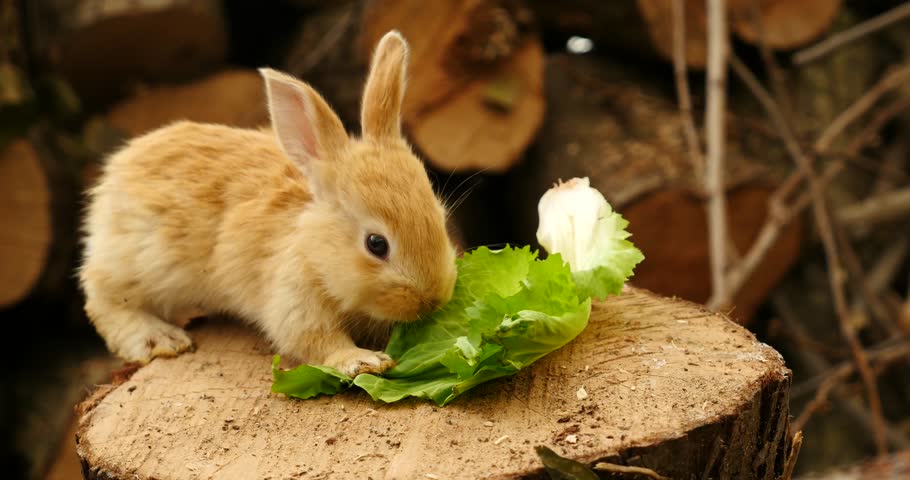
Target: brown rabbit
300	230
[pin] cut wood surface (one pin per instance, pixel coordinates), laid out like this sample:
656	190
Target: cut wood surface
648	29
613	124
652	382
141	41
474	98
25	210
39	193
784	24
231	97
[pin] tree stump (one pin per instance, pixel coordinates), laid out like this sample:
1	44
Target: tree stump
652	382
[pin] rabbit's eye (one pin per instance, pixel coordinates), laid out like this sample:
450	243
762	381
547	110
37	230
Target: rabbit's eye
378	245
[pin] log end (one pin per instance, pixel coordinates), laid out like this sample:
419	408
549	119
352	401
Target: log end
135	50
786	24
25	207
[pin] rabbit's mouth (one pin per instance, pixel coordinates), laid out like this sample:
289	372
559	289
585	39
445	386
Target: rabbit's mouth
402	304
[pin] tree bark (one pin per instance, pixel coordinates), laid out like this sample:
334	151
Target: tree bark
666	385
106	47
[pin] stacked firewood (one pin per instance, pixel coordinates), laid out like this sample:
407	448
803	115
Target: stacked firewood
796	136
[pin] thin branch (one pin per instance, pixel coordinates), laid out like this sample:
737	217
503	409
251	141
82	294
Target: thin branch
863	104
827	381
821	396
871	131
779	217
891	170
905	308
795	446
885	269
682	88
818	366
872	299
823	222
614	468
778	83
885	353
714	126
852	34
882	208
301	63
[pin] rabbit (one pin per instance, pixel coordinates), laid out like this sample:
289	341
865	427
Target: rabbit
311	235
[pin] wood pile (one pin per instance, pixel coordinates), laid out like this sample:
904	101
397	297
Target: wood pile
807	245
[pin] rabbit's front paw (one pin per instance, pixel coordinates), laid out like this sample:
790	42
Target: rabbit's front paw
354	361
144	340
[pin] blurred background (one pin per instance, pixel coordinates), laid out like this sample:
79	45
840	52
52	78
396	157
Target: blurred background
505	97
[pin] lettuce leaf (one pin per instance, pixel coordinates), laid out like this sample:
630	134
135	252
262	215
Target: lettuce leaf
508	310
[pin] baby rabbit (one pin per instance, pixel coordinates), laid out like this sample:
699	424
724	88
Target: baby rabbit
303	231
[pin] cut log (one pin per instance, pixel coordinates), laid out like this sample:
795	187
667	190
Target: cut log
648	29
232	97
652	382
610	123
38	209
475	92
142	41
785	24
25	207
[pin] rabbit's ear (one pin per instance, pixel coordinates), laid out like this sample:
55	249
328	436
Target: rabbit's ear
308	130
384	92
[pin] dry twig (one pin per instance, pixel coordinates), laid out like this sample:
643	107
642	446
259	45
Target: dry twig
851	34
823	222
614	468
819	367
714	126
885	207
795	445
872	299
870	132
888	264
682	87
827	381
890	81
778	82
780	214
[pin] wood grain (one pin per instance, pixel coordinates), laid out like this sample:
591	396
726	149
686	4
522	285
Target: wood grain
670	386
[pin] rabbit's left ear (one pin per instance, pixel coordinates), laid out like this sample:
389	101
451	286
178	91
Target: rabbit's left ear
384	91
308	130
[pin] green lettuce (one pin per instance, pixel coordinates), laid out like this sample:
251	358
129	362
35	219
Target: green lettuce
508	310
